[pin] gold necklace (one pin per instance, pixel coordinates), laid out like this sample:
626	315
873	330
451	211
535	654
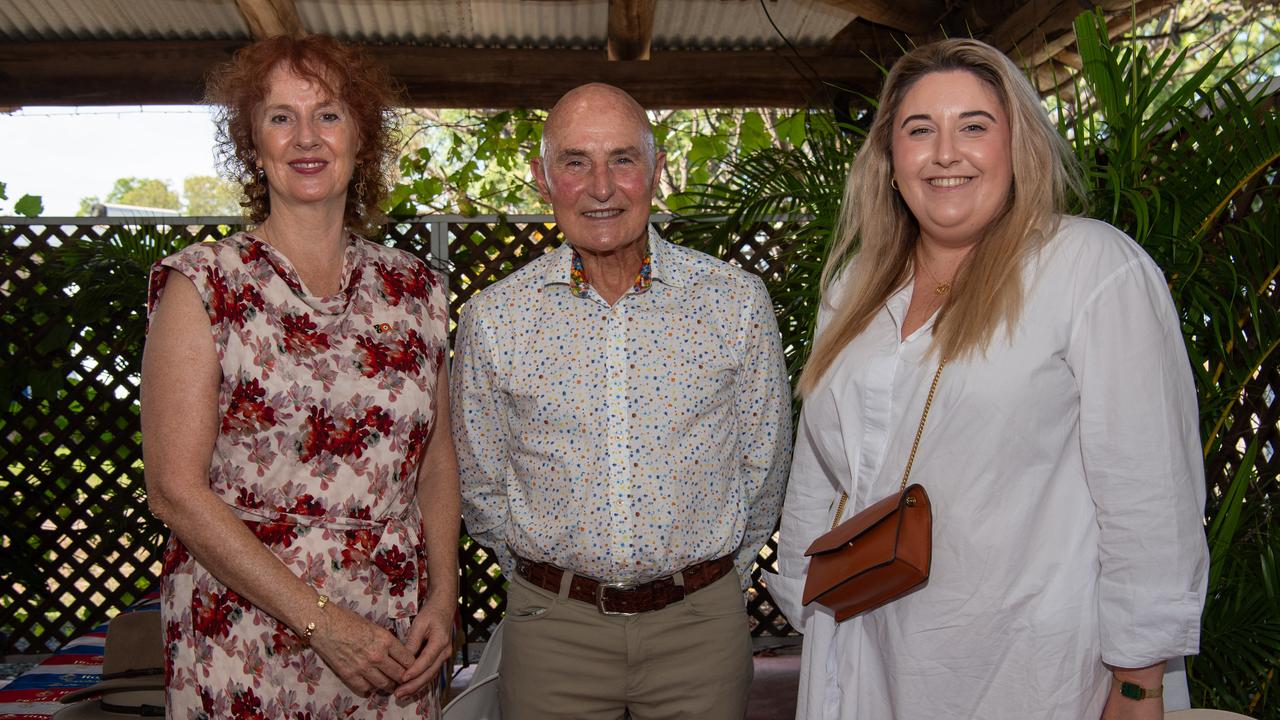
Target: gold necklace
940	288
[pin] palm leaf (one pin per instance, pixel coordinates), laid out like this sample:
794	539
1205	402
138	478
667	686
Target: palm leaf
793	195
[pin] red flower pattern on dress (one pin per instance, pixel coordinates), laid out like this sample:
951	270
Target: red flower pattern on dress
232	306
399	569
358	543
305	504
284	641
324	436
155	285
213	617
175	556
248	411
402	354
246	498
273	534
305	431
256	252
417	438
301	337
245	705
398	284
172	632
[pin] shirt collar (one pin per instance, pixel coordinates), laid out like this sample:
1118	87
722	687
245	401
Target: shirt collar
579	285
661	263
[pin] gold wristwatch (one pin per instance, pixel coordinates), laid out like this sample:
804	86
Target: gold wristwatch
1134	691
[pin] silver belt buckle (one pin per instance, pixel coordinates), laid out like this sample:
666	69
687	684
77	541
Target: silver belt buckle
600	588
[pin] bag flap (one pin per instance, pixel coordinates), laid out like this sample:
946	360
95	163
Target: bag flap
856	525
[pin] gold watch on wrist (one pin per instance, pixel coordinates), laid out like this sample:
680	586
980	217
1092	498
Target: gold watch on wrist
1134	691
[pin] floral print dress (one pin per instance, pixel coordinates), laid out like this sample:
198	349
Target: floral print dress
326	403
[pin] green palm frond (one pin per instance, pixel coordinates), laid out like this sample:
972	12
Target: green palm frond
106	279
792	194
1240	630
1189	168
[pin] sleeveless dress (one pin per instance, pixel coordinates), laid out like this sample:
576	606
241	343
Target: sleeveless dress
326	403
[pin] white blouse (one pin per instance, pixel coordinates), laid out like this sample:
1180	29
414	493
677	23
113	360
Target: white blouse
1067	485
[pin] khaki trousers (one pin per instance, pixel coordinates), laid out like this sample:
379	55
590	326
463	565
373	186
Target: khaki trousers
562	658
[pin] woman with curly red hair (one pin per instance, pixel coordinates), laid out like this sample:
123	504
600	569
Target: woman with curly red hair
295	416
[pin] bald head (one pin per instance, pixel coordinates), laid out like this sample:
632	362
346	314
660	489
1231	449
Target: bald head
589	101
599	170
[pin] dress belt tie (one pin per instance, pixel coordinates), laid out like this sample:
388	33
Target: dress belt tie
395	554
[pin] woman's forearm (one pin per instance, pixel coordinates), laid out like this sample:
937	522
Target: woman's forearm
180	384
441	504
225	547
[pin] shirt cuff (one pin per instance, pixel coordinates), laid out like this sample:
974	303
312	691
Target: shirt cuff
1138	630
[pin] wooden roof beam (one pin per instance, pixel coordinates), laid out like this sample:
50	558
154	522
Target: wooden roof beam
630	29
172	72
1041	29
1055	61
269	18
914	17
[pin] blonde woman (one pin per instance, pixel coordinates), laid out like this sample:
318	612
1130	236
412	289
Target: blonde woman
1061	450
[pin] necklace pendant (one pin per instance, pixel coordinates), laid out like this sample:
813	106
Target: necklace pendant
942	289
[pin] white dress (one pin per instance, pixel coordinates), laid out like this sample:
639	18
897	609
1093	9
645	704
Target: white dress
1067	487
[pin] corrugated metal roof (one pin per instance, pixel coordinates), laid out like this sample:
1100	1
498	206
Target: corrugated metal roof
743	24
678	24
579	24
473	23
682	24
44	20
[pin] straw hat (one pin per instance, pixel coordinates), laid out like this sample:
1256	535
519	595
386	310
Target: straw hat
133	658
115	704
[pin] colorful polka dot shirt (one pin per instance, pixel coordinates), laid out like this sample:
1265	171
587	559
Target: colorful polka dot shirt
622	442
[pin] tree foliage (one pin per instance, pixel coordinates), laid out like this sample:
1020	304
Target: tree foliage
26	206
477	161
140	192
207	196
202	196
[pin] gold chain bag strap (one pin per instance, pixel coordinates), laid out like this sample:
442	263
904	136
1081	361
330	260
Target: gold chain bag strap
880	554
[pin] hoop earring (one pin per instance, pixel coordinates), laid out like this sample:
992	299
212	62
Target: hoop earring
893	183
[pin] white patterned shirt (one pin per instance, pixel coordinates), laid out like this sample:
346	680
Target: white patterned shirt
622	442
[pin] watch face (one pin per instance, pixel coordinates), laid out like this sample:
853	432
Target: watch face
1131	691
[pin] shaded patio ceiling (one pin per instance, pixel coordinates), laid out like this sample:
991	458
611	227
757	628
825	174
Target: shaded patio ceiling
509	53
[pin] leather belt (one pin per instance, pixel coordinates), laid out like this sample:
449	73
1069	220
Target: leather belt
626	598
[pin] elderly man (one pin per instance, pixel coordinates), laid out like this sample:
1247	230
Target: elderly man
622	420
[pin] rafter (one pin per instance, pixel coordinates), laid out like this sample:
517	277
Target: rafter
915	17
268	18
1048	51
630	29
873	41
164	72
1040	29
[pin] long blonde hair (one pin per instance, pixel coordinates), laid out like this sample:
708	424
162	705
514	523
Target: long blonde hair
876	233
